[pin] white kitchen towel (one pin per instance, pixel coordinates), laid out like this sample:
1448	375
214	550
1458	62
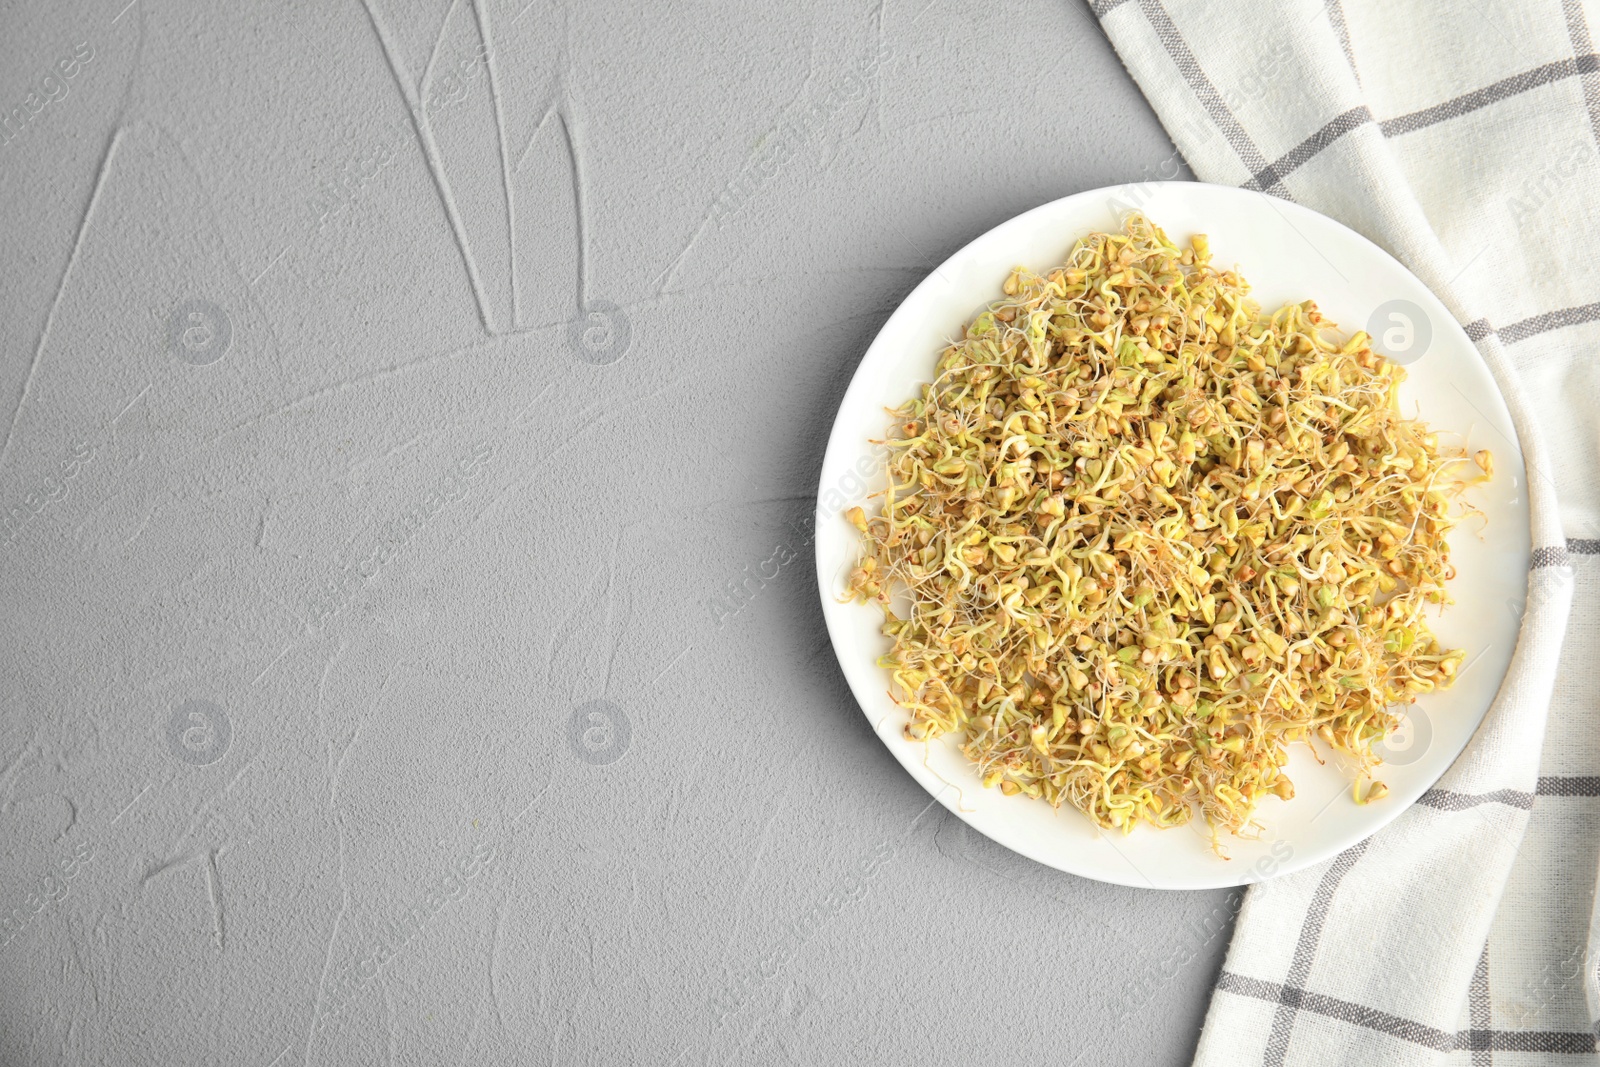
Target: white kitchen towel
1465	139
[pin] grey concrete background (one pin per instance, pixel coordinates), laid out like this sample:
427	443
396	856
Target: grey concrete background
401	665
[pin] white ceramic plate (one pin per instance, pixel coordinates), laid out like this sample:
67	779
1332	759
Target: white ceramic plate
1288	253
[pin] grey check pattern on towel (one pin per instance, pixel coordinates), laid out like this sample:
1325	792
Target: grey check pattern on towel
1465	139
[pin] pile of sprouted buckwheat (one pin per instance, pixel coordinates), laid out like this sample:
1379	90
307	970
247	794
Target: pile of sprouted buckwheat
1140	538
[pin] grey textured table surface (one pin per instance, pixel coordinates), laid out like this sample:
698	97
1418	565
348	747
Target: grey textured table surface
399	667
